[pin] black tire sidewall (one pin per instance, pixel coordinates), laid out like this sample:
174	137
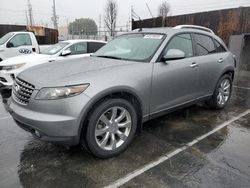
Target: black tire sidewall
93	118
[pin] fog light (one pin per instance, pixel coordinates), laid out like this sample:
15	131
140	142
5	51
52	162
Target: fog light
37	134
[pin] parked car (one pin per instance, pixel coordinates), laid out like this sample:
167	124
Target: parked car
69	49
19	43
101	101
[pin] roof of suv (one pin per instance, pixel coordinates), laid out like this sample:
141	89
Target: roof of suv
178	29
168	30
83	40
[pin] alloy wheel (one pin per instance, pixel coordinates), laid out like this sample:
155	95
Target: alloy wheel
224	92
113	128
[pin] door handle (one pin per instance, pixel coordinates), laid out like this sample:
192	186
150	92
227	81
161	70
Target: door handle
221	60
193	65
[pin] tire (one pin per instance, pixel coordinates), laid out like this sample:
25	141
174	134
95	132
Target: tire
216	102
111	128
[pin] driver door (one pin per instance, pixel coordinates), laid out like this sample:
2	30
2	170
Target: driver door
77	50
175	81
20	44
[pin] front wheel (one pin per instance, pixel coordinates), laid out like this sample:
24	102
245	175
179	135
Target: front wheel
222	93
111	128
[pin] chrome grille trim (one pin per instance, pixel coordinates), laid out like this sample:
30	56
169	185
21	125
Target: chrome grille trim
22	91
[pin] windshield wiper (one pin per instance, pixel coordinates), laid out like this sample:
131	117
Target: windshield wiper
111	57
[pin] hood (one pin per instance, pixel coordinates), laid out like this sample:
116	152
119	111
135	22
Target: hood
31	58
57	73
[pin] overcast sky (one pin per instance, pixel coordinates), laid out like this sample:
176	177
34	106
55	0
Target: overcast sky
13	11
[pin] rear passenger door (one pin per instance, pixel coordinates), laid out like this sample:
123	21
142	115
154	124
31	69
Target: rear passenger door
210	56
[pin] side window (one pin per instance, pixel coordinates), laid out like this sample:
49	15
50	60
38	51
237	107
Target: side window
79	48
204	45
218	47
94	46
21	40
181	42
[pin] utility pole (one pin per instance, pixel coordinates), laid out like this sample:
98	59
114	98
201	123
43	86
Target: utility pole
54	17
131	18
27	20
100	24
30	14
149	10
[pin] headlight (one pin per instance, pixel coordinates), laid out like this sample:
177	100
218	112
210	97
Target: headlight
60	92
12	67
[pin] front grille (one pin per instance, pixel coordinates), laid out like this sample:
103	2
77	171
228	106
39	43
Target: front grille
22	91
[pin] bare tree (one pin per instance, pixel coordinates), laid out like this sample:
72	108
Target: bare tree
111	10
164	9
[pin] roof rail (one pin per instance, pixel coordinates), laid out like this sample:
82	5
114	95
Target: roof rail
194	27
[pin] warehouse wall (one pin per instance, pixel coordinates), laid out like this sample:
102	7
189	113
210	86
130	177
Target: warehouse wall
50	35
224	23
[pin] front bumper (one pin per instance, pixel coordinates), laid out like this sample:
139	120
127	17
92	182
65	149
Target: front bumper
6	79
56	121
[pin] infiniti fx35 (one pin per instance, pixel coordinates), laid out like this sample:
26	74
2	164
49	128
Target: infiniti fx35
101	101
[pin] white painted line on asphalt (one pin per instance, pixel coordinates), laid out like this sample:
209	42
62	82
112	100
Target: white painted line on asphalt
138	172
167	156
247	88
175	152
6	117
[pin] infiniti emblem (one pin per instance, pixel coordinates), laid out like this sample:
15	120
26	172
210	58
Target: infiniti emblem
17	88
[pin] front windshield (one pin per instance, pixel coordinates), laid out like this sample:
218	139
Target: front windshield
54	48
134	47
5	38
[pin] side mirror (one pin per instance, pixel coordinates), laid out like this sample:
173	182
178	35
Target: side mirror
65	53
9	45
173	54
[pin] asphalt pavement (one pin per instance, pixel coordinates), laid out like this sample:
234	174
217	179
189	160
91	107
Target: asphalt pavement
193	147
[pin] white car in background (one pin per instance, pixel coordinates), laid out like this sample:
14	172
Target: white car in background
19	43
69	49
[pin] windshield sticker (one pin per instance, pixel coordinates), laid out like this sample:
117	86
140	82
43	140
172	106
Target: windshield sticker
159	37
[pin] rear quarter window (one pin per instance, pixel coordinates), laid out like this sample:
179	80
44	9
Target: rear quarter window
218	47
204	45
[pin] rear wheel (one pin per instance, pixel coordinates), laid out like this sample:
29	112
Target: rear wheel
222	93
111	128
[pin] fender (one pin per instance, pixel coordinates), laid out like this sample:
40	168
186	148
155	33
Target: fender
101	95
227	69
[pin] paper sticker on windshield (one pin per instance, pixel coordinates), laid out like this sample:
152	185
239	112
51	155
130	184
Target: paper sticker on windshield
151	36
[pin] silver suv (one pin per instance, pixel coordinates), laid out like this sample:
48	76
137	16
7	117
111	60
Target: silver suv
101	101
